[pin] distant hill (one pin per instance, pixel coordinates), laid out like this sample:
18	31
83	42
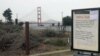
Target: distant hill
51	21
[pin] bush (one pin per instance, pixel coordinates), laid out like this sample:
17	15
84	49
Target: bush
34	42
6	41
60	43
10	37
20	23
5	44
50	33
0	22
10	28
57	42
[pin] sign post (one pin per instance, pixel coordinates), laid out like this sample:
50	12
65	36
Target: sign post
85	30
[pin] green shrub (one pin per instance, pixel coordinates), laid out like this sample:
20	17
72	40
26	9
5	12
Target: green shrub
34	41
60	43
6	41
5	44
20	23
10	37
57	42
50	33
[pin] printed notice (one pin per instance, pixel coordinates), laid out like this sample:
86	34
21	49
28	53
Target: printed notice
94	15
85	31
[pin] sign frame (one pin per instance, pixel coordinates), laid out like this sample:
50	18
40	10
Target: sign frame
72	47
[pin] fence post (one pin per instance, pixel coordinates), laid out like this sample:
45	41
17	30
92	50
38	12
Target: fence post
16	21
27	38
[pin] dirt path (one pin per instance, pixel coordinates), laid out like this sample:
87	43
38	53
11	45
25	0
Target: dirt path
51	53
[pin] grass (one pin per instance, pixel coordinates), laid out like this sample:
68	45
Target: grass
57	42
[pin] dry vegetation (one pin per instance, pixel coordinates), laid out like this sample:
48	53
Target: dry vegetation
12	40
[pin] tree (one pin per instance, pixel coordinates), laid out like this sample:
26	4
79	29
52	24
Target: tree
67	21
8	15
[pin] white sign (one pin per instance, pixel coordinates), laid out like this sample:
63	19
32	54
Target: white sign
85	30
94	14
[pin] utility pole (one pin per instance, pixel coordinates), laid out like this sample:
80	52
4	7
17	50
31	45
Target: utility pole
62	28
62	15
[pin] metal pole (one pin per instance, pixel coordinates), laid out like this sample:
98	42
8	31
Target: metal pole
27	37
92	54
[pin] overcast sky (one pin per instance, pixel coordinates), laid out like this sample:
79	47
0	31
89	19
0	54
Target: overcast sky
51	9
